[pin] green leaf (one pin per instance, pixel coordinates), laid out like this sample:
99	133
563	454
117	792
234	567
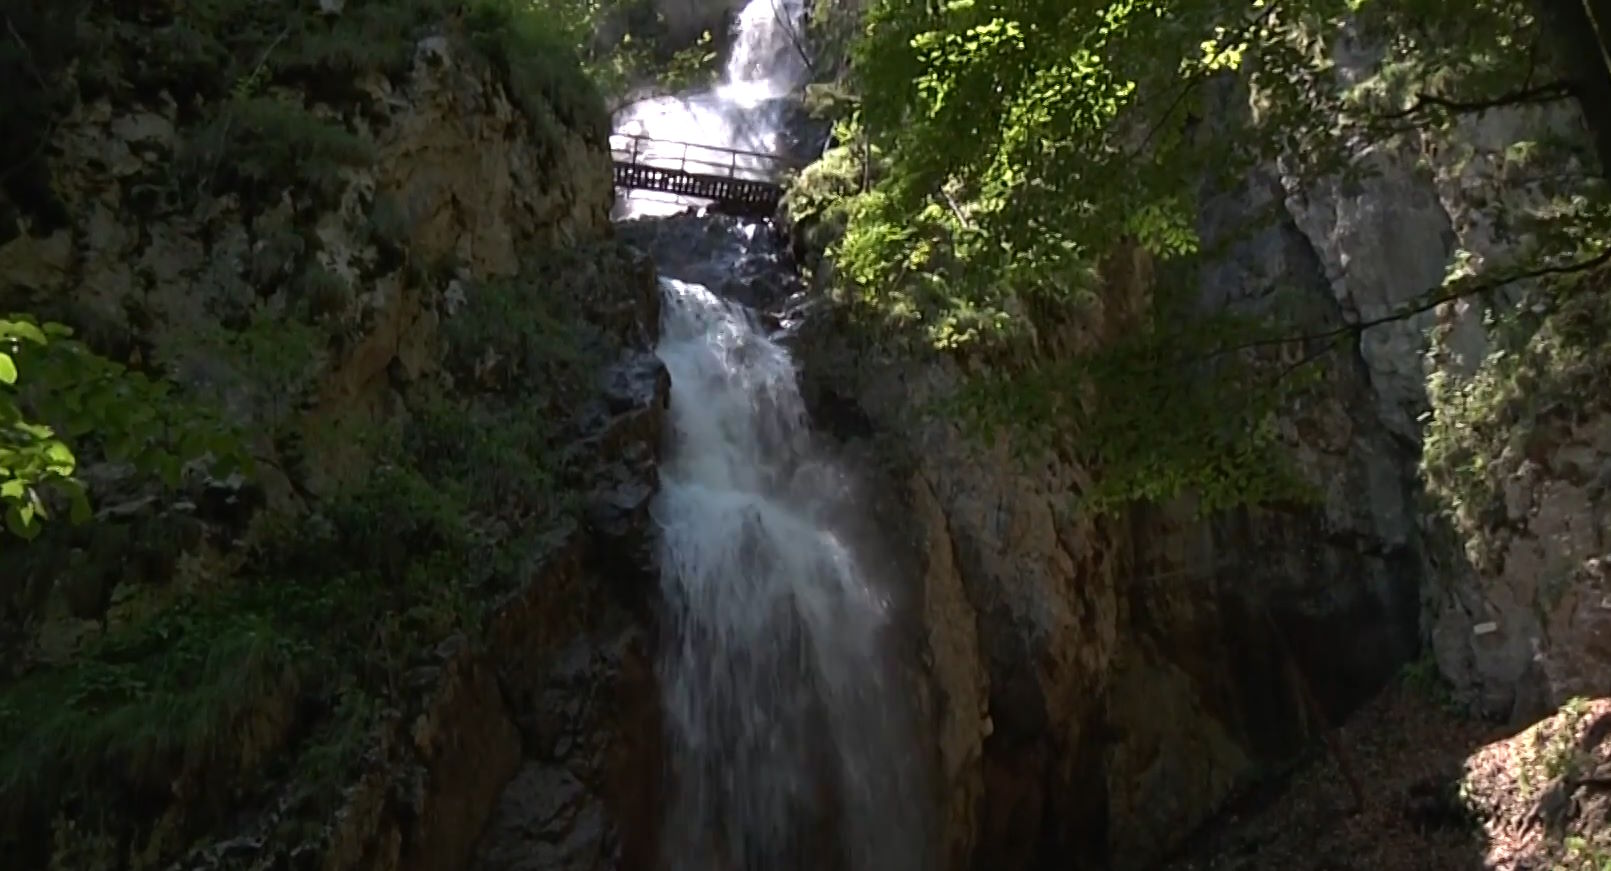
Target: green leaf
20	520
21	330
60	457
78	505
8	369
171	470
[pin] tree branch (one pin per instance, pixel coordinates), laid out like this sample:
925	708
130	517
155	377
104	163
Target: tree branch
1546	93
796	39
44	86
1192	82
1423	305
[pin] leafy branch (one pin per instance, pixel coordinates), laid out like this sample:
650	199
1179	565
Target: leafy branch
71	393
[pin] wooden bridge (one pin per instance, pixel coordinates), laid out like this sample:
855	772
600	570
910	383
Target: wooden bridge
738	182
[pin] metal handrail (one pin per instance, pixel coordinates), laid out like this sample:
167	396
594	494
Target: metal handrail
636	155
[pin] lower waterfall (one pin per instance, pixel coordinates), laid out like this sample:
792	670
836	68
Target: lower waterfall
787	747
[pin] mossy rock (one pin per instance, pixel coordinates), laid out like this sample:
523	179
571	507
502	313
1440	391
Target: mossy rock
1547	373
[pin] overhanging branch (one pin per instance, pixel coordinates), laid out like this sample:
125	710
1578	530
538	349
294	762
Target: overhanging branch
1424	304
1547	93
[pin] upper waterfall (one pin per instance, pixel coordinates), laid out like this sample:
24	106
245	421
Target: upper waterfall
743	111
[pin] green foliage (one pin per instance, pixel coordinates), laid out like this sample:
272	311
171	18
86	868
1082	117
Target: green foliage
1024	142
327	619
819	194
280	673
536	43
1585	855
627	48
1423	678
1156	425
268	143
1548	368
691	66
292	648
53	388
1019	155
143	696
831	31
523	337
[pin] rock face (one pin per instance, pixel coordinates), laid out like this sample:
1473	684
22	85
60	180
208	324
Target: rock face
1522	450
685	20
452	174
540	747
526	742
1098	688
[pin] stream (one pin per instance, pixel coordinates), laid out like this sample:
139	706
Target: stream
789	736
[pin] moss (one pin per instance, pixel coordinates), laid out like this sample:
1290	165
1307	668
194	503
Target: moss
542	70
329	615
327	296
517	335
256	69
275	142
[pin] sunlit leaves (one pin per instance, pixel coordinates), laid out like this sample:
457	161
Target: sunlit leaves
57	392
1024	141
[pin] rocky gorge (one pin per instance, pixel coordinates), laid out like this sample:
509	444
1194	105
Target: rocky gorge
424	632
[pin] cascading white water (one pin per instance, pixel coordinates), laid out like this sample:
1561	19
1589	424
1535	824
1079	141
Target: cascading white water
742	112
787	745
788	751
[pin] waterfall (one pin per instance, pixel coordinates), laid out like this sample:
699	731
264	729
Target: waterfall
787	748
744	111
787	752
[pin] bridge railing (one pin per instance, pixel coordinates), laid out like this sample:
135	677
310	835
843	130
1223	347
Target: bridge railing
691	157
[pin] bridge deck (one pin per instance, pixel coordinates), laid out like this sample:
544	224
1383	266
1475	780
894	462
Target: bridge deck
746	182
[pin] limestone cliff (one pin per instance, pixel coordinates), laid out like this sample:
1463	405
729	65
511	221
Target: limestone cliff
1099	687
380	244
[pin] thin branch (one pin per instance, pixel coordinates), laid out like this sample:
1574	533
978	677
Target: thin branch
1425	304
27	53
1191	83
796	39
956	209
1547	93
262	60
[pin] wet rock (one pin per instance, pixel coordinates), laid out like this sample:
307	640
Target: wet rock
639	383
547	821
586	797
626	438
618	517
